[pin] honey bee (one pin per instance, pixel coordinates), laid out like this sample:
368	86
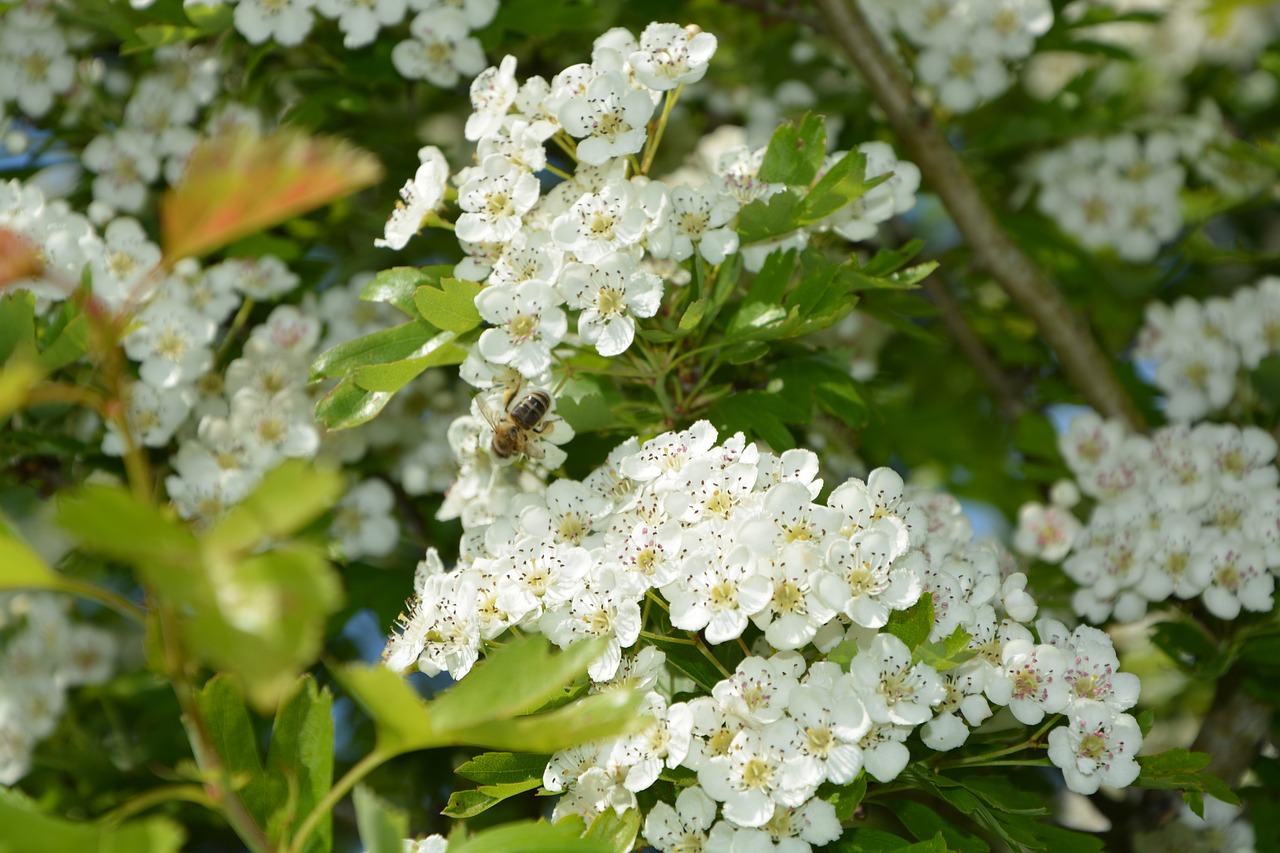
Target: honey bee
516	427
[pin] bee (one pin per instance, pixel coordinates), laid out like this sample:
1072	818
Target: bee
516	427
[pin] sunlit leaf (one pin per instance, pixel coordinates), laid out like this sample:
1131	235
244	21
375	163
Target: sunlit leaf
238	183
24	829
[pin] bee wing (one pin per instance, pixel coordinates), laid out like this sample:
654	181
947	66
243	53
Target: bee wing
486	411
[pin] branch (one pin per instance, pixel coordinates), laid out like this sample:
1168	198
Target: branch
1001	388
1082	359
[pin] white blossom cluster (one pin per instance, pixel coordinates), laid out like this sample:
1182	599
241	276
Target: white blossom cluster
730	544
964	47
45	653
36	64
232	426
595	243
1223	829
1191	512
1200	348
442	46
1120	192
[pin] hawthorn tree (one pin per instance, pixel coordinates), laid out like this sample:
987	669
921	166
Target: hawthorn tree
749	426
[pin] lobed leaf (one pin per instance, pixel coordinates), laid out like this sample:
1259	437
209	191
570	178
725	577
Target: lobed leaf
451	306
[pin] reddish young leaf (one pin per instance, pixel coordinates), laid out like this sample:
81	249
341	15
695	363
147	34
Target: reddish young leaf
18	258
240	183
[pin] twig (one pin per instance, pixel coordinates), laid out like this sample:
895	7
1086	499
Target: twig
974	350
1082	359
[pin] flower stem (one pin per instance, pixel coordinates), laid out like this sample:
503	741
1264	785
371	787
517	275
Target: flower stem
651	147
358	771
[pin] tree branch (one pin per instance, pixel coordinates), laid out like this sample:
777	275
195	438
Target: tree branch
1002	390
1082	359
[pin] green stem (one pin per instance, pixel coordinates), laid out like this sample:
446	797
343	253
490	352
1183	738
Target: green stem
106	597
159	796
559	172
358	771
242	317
706	652
651	147
649	635
1032	742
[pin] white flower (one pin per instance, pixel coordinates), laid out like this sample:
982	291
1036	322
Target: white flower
718	595
34	64
759	690
604	611
124	166
171	341
1233	575
363	522
153	414
611	294
893	690
528	324
698	215
287	21
1092	671
598	224
883	752
418	197
492	94
753	778
833	721
1045	532
1097	746
278	426
671	55
1031	680
442	49
609	118
683	828
360	20
865	581
494	201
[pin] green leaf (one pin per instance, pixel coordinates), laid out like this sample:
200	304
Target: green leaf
532	837
618	831
347	405
397	285
451	307
1180	769
878	841
765	219
847	798
382	829
110	520
267	620
948	654
291	495
27	830
408	340
926	824
393	376
301	759
1002	795
587	404
22	568
844	182
693	314
67	346
485	708
465	804
759	414
913	625
1058	839
795	153
17	322
503	768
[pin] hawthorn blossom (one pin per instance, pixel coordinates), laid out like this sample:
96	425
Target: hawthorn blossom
610	293
670	55
1097	746
442	48
610	119
527	324
418	197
